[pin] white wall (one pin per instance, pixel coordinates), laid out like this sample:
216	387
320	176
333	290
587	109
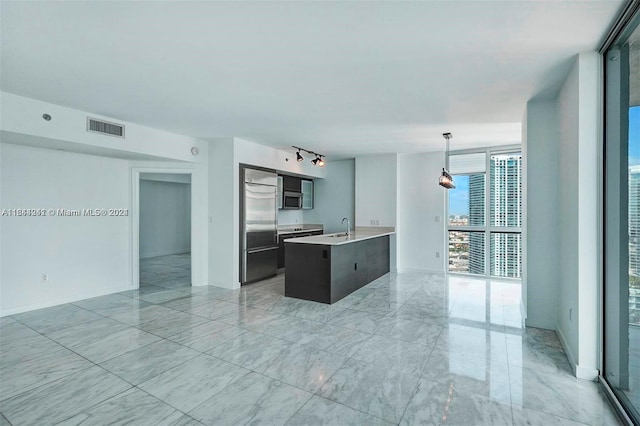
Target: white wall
291	217
165	218
565	161
67	129
376	195
223	230
334	197
589	131
568	215
421	213
83	256
376	185
143	148
541	168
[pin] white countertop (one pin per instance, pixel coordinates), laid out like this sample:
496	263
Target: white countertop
360	233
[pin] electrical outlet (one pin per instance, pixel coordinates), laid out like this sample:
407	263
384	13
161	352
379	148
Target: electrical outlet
45	278
437	254
570	314
437	218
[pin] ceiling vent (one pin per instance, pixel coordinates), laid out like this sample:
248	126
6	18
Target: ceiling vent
104	127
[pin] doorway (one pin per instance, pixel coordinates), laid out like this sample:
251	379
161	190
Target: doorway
164	230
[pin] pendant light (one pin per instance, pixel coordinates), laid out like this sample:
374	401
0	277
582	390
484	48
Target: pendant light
446	180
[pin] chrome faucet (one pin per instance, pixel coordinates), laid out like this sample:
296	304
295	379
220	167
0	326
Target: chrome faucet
348	226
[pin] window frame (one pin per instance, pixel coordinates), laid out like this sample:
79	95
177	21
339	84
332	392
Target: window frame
487	228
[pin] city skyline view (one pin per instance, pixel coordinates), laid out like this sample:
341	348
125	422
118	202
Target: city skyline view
467	248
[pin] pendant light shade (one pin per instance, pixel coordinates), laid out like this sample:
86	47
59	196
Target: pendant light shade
446	180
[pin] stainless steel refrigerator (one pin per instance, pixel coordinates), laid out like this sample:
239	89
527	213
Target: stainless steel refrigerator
259	225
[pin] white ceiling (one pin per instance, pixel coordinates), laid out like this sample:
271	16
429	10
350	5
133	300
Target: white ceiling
341	78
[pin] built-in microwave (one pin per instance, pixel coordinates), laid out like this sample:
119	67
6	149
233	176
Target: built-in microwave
291	200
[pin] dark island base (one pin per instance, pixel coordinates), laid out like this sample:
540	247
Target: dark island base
327	273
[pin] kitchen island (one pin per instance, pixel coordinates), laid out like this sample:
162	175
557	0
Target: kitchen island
326	268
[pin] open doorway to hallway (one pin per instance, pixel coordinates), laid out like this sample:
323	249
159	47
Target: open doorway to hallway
165	231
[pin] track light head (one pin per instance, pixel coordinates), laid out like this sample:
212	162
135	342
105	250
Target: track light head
318	161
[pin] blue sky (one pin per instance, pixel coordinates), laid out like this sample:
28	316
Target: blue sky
634	135
459	197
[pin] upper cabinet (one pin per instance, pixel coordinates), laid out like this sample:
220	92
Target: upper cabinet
307	194
298	190
291	183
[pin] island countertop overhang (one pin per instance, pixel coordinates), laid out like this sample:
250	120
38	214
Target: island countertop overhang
339	238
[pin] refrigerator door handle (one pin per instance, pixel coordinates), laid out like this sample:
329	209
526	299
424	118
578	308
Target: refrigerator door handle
261	250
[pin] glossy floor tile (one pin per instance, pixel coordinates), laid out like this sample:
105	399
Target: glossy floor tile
406	349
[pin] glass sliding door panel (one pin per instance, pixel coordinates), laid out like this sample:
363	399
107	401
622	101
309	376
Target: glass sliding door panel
622	220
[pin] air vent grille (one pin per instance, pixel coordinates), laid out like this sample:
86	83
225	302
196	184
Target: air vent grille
105	128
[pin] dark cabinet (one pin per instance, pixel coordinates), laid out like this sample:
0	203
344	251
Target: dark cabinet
283	237
327	273
377	255
291	183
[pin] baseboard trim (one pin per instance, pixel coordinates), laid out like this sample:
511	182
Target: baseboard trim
221	285
567	350
424	270
585	373
164	253
71	299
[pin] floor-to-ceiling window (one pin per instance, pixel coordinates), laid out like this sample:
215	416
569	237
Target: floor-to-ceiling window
485	213
622	218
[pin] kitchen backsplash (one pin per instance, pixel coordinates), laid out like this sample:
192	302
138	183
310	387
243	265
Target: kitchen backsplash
290	217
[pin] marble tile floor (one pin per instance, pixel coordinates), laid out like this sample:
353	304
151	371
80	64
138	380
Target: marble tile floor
407	349
172	271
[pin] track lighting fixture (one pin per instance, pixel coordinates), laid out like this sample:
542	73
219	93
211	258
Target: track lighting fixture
446	180
318	161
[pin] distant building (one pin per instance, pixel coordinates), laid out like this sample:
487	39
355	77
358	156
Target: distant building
476	218
506	211
634	220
